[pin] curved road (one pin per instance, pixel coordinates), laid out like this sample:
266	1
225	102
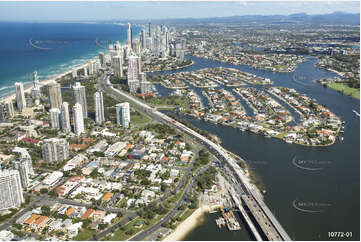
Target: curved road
215	149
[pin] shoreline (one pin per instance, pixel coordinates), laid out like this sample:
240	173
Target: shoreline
27	89
188	225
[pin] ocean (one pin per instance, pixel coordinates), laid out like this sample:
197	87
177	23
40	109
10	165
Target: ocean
55	48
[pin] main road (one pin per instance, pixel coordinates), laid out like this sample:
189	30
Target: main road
215	149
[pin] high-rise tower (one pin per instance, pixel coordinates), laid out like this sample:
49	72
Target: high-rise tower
55	149
55	118
64	118
20	96
55	95
78	119
133	81
11	195
129	37
123	114
99	107
80	97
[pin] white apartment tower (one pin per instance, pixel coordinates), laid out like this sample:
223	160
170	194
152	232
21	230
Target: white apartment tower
35	92
74	73
117	64
91	67
65	118
6	111
55	118
132	75
129	37
78	119
25	168
102	59
55	150
80	97
123	114
11	195
99	108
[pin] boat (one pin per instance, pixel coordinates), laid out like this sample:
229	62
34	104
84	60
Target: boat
268	136
356	112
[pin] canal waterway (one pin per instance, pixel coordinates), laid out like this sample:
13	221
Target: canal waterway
309	203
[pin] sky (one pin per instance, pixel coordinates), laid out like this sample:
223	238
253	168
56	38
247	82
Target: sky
94	11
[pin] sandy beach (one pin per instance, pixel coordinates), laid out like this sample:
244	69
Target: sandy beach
45	82
186	226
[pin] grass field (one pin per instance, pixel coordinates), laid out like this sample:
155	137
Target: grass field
281	135
138	118
84	235
353	92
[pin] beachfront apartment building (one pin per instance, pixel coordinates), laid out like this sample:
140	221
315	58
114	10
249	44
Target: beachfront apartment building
20	96
102	59
55	94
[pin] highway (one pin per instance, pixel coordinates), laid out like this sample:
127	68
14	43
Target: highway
255	198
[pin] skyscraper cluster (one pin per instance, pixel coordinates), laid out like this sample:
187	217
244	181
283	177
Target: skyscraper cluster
158	41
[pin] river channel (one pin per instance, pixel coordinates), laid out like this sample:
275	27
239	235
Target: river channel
309	203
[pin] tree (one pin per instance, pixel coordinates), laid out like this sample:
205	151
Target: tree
45	210
102	226
52	193
43	190
163	187
129	231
